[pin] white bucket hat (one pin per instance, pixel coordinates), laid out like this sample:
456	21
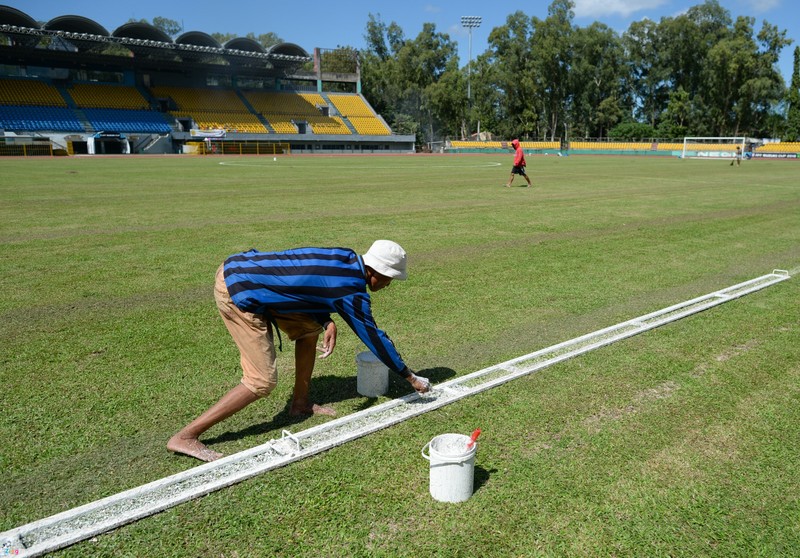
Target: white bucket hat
387	258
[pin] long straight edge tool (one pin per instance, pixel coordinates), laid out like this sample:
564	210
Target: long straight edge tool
71	526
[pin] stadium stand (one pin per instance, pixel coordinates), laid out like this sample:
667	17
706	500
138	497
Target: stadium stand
504	144
88	95
71	82
779	147
218	109
313	99
350	105
709	147
280	109
27	92
669	146
37	118
117	108
189	99
359	114
328	125
122	120
369	125
612	145
600	146
281	123
229	121
289	104
284	110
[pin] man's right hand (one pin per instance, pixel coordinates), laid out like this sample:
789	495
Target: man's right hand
328	340
422	385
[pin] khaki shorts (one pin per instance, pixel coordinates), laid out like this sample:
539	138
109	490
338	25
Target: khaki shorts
252	333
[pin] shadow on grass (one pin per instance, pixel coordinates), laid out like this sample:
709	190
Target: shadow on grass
331	389
481	477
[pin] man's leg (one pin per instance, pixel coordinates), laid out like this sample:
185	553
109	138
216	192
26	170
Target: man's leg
305	355
510	180
186	441
252	334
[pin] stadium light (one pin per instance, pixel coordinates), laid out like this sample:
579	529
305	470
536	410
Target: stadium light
470	22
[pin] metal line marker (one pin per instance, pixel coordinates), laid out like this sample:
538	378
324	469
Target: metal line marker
83	522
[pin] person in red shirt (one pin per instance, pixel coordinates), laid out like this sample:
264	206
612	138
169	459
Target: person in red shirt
519	164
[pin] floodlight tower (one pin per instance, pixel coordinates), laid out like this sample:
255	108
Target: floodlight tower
470	22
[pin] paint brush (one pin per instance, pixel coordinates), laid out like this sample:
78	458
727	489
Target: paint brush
473	438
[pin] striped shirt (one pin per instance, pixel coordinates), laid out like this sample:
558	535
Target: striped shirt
317	281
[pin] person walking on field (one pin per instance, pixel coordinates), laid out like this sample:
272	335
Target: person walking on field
296	291
737	158
519	164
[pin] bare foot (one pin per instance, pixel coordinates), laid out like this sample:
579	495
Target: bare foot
314	409
192	447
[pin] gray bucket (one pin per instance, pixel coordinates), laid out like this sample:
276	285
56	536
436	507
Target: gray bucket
373	375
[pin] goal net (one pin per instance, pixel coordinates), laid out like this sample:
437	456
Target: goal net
702	147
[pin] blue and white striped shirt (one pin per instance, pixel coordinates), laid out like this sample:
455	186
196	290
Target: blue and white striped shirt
315	281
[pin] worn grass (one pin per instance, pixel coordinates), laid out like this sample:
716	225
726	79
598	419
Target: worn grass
678	442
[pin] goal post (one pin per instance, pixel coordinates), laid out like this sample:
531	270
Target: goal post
707	147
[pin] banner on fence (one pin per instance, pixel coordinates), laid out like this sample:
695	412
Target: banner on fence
207	133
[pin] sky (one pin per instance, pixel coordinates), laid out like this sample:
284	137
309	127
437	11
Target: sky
325	24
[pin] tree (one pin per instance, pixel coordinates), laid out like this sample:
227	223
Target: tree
632	131
743	85
793	100
421	63
383	40
595	81
674	123
447	98
648	81
698	73
552	42
487	98
513	79
266	39
728	65
168	26
688	39
223	38
403	77
379	82
607	115
341	60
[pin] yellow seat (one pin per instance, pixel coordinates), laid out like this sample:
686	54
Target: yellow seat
88	95
29	92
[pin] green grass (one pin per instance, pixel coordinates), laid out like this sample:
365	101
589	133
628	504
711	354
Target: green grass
678	442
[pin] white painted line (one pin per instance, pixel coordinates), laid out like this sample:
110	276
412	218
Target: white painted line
71	526
288	164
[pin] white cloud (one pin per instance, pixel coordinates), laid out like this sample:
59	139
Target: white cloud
624	8
761	6
431	9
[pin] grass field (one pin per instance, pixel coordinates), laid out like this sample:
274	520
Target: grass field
682	441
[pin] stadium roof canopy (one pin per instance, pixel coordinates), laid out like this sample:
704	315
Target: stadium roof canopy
80	34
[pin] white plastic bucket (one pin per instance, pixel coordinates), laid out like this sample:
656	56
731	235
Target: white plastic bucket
373	375
452	467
